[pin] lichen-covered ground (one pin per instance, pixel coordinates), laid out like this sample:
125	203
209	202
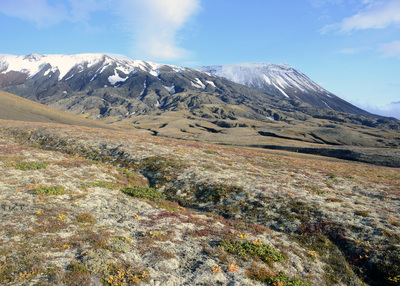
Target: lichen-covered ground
81	206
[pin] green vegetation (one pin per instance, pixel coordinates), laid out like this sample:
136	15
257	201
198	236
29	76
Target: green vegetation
143	192
103	184
50	190
25	166
266	253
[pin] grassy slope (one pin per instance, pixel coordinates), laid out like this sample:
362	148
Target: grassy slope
13	107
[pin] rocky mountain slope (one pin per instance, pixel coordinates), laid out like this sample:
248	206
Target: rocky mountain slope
85	206
107	86
283	79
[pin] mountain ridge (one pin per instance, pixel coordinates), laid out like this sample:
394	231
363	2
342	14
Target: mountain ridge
278	79
70	65
284	79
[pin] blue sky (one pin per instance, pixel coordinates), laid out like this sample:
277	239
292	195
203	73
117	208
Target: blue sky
350	47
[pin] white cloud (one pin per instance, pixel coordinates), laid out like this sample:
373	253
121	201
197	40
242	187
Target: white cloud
352	51
391	110
43	14
348	51
81	9
154	26
321	3
391	49
376	15
38	11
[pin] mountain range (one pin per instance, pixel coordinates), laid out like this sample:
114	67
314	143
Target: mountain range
121	86
251	104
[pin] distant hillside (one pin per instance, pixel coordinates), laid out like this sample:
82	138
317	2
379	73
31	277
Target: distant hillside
13	107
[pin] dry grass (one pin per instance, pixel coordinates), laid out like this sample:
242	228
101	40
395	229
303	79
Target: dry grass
14	107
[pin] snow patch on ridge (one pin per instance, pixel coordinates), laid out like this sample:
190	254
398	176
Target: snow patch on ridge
211	82
144	89
171	89
284	93
149	67
198	83
114	79
267	79
327	105
153	68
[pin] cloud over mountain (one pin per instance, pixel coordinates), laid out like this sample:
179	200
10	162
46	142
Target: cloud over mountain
39	12
376	15
391	49
155	24
44	13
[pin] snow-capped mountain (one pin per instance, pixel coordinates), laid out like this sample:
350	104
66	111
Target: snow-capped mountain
67	66
279	77
114	86
282	79
108	85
